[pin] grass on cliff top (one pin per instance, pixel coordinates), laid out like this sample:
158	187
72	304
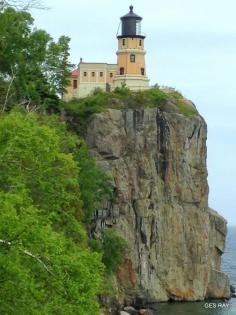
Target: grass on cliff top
120	98
185	109
80	110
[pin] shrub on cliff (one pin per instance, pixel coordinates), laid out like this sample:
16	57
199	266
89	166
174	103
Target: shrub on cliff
79	111
93	182
112	247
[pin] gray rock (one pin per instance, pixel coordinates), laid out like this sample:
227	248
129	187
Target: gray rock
232	289
158	163
219	285
124	313
131	310
146	312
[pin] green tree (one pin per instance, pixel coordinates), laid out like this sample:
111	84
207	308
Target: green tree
46	266
32	156
58	67
14	31
33	66
42	271
114	248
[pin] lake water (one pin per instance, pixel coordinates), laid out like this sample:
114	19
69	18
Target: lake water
202	308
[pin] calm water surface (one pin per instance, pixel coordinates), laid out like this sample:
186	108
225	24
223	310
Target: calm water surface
199	308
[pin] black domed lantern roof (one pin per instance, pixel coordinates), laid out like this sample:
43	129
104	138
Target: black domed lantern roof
131	24
131	15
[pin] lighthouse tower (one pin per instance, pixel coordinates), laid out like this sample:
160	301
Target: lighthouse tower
131	54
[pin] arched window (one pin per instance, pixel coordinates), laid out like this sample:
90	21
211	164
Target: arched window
122	71
142	71
132	58
123	42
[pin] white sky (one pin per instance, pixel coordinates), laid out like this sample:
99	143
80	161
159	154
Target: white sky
191	45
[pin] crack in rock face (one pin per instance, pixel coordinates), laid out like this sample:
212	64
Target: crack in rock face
158	163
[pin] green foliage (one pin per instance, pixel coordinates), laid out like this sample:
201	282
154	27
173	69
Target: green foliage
34	68
122	91
42	271
58	66
34	157
185	109
155	96
14	30
176	94
46	265
113	249
97	90
93	183
79	111
148	98
87	105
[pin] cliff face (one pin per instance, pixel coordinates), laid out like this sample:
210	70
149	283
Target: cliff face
158	162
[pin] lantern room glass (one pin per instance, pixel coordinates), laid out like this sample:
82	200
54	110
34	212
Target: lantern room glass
138	28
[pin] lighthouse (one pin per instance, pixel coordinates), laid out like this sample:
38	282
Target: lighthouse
131	65
130	69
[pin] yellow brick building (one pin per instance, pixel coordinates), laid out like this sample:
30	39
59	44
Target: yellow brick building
130	68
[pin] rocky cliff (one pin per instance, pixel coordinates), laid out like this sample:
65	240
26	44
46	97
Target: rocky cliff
157	159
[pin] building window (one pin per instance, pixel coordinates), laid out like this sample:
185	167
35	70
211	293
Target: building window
123	42
75	84
142	71
122	71
111	75
85	74
101	74
132	58
93	74
140	42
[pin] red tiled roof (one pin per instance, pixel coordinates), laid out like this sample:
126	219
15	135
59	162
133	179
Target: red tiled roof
75	73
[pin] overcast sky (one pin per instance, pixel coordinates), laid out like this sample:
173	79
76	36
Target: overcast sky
191	45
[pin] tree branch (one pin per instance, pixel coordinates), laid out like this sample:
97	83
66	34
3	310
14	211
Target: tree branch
28	253
24	5
8	90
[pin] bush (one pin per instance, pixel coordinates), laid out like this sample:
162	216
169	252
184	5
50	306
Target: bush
93	182
78	111
122	91
155	96
114	248
186	110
